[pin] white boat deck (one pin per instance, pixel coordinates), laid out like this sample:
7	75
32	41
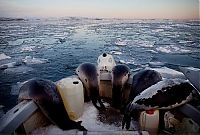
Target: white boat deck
108	122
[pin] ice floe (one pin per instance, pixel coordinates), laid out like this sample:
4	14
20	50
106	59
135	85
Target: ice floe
122	61
152	51
172	49
18	70
33	60
121	42
165	27
165	41
10	65
116	52
4	56
156	63
27	48
16	42
146	44
158	30
49	41
131	61
184	41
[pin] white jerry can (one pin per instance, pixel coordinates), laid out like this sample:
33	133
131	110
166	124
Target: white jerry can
106	62
149	121
71	91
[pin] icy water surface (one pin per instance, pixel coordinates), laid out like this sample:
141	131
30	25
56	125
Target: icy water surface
53	48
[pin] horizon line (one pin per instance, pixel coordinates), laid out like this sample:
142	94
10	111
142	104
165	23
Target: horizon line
96	17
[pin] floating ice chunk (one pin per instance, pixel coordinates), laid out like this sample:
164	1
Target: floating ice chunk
165	27
152	51
29	41
16	42
158	30
156	63
164	49
172	49
131	61
18	70
49	41
32	60
129	28
11	64
4	56
122	62
146	44
116	52
120	42
181	25
184	41
116	48
27	49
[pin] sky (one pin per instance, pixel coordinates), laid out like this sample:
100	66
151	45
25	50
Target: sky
130	9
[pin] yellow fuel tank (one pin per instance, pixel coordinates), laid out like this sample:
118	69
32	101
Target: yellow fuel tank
71	91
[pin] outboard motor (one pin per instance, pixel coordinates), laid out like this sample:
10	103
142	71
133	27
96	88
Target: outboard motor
106	62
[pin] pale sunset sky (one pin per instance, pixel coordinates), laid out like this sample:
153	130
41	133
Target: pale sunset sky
130	9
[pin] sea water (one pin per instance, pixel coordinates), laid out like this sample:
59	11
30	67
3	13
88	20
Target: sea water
52	48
